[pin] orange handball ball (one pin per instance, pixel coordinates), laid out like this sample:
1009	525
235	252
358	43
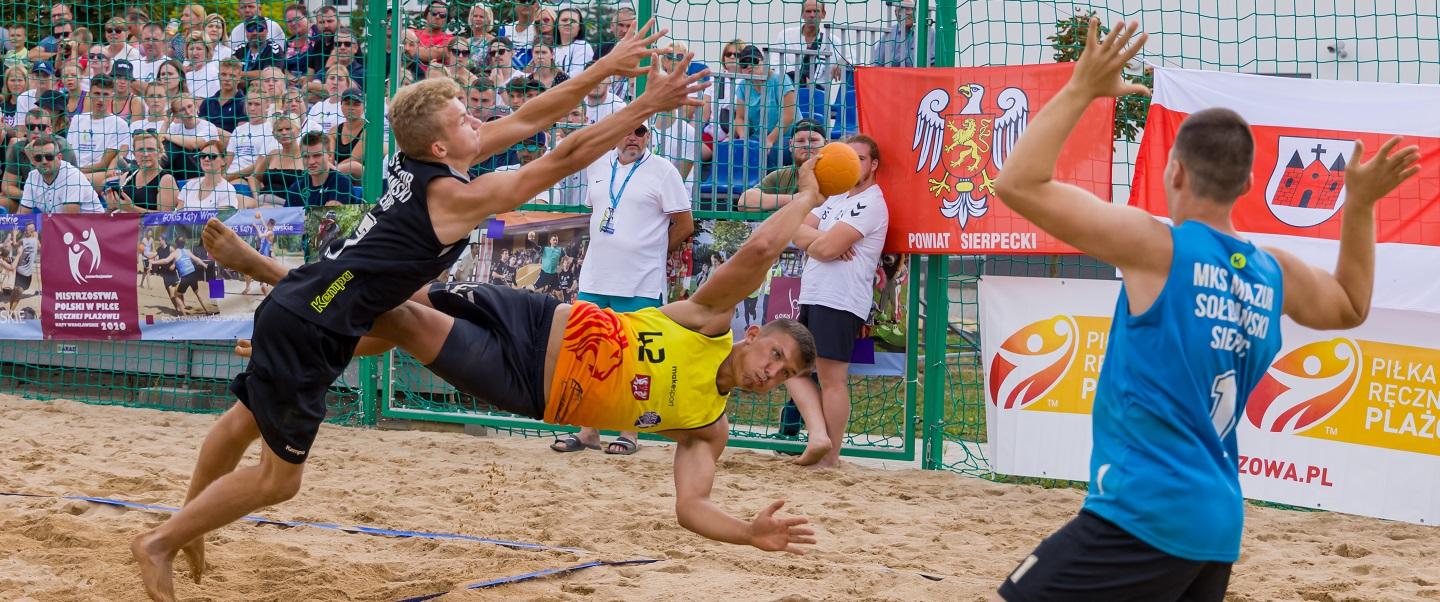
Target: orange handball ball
838	169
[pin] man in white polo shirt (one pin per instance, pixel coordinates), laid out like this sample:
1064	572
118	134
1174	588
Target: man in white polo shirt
640	212
842	240
54	185
98	137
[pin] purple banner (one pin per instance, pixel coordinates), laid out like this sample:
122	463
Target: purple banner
88	266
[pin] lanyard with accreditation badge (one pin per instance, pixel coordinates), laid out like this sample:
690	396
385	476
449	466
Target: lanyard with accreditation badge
607	224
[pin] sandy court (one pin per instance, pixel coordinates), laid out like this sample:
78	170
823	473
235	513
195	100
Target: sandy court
878	529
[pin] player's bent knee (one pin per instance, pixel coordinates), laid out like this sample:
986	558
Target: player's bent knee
278	487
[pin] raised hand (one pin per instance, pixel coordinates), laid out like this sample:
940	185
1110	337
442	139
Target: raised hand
624	59
1368	182
669	91
1099	71
807	182
780	534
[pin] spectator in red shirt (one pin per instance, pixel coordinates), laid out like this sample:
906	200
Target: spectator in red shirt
433	38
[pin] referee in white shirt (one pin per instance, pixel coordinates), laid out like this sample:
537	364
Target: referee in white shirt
641	212
842	240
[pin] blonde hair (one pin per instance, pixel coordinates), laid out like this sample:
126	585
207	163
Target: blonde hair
179	98
198	11
214	17
284	116
135	140
415	109
5	92
219	148
489	15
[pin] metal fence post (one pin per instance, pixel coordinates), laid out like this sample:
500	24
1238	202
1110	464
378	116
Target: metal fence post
937	276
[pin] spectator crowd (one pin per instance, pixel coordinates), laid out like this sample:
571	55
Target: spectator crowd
145	114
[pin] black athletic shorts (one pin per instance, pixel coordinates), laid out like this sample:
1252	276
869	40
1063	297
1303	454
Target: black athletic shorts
190	282
1092	559
496	349
169	278
293	362
22	281
547	280
834	330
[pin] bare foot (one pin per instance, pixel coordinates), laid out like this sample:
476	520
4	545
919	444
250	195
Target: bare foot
825	463
815	451
155	568
195	555
226	247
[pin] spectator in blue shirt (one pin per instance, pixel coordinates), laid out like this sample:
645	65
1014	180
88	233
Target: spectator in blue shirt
767	100
897	47
322	185
226	109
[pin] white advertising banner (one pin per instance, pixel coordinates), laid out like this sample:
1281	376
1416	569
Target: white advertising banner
1346	421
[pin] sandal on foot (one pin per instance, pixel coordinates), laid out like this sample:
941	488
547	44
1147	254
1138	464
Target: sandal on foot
627	447
569	444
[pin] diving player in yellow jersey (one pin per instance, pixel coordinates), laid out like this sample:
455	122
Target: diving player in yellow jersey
667	371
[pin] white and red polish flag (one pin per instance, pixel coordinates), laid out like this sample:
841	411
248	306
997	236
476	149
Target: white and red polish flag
1304	136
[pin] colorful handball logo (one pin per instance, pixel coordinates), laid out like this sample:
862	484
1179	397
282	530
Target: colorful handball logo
1031	361
1306	386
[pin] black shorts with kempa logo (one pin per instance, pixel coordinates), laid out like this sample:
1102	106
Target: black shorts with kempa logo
496	349
293	362
1091	558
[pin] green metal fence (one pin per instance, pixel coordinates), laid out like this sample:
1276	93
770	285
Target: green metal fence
938	407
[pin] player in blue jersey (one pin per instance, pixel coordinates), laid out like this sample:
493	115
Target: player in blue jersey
1196	325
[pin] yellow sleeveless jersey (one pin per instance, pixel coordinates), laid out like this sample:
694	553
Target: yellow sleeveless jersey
635	371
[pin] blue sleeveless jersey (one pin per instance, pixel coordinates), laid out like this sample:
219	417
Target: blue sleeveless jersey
1172	388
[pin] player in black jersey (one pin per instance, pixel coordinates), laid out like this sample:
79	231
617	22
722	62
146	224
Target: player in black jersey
306	331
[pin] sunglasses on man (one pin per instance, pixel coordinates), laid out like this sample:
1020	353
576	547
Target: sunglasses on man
42	157
115	30
209	156
37	127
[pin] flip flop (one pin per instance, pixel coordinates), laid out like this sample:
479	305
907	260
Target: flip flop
627	447
570	443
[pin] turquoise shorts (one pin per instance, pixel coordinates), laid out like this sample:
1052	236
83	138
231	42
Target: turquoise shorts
620	304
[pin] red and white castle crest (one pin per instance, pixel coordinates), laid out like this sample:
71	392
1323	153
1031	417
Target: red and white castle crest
1307	185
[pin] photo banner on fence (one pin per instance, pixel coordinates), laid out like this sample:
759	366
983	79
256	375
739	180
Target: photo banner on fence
1304	137
88	269
179	292
944	134
1346	421
20	277
184	294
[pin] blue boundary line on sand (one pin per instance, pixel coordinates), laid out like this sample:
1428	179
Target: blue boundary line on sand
535	575
361	529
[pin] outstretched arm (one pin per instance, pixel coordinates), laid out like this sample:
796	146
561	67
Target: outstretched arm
1127	237
551	106
695	457
504	191
1322	300
709	310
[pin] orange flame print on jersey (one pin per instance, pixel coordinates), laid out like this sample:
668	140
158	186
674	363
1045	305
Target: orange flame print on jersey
1031	361
597	339
1306	386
